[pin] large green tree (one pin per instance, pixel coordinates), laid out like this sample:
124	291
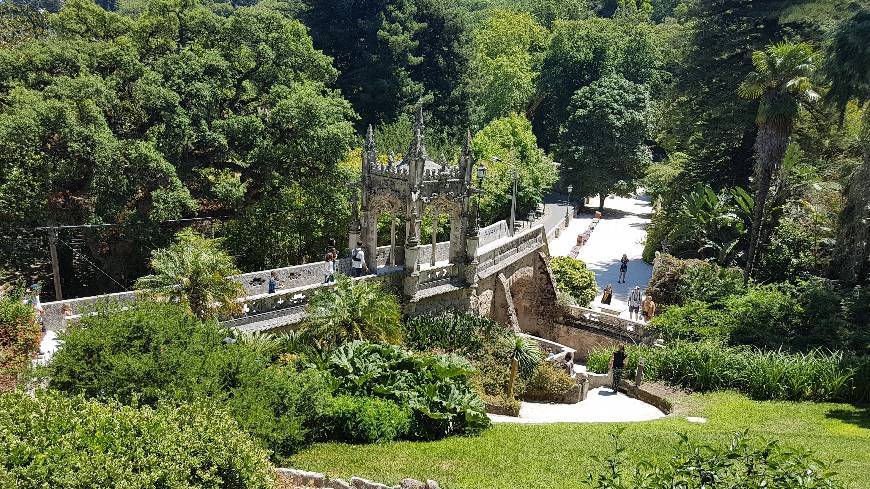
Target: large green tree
781	82
132	121
603	147
507	146
395	54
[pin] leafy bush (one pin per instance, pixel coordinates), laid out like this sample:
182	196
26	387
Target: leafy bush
365	420
765	316
354	310
502	404
436	387
676	281
763	375
65	442
744	462
455	332
693	321
151	352
549	379
19	334
574	278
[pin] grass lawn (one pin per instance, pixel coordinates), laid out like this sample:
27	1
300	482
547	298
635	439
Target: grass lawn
559	455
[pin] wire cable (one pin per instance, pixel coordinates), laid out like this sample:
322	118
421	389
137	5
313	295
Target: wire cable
83	257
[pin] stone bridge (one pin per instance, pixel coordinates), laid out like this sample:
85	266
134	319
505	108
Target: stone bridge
500	271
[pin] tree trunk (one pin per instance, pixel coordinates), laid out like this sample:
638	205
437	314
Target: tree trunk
601	197
770	146
513	378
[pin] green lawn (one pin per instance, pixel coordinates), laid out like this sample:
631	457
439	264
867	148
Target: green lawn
559	455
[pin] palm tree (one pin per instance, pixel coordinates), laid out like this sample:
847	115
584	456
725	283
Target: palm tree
781	83
195	271
525	355
847	68
354	310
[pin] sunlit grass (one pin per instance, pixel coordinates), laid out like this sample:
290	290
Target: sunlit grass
560	455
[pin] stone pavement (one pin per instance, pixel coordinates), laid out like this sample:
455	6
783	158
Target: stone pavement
601	406
622	229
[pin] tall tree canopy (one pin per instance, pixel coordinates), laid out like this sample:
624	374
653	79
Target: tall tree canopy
603	148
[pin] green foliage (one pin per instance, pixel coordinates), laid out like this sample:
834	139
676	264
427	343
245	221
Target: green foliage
394	54
102	445
676	281
511	140
365	420
508	46
744	462
195	272
550	380
764	375
658	182
150	352
573	278
436	387
694	321
353	310
463	333
765	316
19	333
603	145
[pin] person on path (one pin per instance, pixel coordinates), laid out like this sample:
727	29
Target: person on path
617	363
623	268
32	299
358	261
607	295
648	307
634	300
273	282
569	363
329	273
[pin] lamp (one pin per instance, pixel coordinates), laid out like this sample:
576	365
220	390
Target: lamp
481	172
568	205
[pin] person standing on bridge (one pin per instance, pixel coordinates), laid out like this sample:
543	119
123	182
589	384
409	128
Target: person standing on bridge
358	261
634	301
607	295
623	268
329	272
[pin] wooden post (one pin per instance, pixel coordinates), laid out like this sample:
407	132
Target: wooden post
55	265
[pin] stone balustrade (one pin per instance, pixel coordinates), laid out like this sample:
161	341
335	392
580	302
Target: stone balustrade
491	257
627	328
493	232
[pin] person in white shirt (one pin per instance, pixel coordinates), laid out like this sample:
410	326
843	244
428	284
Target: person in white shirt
634	300
358	261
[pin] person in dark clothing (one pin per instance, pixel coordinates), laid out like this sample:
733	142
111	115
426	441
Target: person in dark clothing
617	363
273	282
607	295
623	268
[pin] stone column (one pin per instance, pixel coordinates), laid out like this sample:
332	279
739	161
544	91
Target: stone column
392	260
435	217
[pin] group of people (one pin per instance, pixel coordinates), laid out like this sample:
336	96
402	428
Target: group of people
563	359
358	267
640	306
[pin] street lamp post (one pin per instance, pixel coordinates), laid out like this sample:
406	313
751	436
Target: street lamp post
568	205
513	202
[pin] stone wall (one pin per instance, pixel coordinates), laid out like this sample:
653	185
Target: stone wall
493	232
582	339
442	252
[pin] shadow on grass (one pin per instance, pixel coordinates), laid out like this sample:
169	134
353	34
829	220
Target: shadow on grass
860	418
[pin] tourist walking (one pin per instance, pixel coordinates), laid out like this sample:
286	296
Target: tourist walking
358	261
569	363
32	299
634	301
617	363
329	273
623	268
607	295
273	282
648	308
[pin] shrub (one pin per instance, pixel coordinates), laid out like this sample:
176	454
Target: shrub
19	334
452	331
365	420
502	404
765	316
675	281
436	387
763	375
693	321
56	441
152	352
574	278
744	462
354	310
550	380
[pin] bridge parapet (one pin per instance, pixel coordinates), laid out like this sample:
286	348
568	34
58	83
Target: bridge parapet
492	257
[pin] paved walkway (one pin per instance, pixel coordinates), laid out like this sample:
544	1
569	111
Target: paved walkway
622	229
601	406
